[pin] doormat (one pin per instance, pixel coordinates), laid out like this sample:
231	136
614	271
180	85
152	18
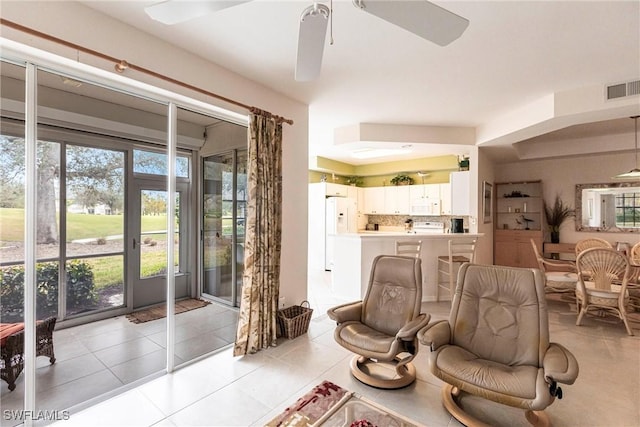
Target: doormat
331	405
160	311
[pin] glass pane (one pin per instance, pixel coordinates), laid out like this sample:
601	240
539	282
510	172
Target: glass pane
95	201
12	217
11	198
153	163
218	225
153	244
241	209
94	284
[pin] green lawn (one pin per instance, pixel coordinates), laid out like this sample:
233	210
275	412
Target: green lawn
107	270
79	226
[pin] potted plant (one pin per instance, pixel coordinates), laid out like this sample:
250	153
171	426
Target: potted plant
463	163
401	179
556	215
353	180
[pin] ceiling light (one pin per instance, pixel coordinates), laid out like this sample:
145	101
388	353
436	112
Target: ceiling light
370	153
635	172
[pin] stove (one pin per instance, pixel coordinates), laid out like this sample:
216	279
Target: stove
424	227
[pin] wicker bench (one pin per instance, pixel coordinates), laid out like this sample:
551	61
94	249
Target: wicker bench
12	350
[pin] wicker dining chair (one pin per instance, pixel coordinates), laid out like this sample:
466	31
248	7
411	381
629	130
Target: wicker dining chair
603	275
634	277
560	275
592	242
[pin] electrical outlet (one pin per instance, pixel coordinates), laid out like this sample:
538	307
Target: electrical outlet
281	303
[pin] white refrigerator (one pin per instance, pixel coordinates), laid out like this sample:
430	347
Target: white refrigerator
340	217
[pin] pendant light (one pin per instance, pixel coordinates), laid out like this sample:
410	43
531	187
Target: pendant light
635	172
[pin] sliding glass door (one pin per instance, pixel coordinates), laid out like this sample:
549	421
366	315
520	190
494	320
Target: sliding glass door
224	208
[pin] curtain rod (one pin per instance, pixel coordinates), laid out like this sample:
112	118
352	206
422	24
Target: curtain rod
122	65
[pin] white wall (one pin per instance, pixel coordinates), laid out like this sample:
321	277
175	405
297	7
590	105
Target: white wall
486	172
79	24
560	176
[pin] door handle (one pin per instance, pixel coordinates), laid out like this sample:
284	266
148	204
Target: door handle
134	243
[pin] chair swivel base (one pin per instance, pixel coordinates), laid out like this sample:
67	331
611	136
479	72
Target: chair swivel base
405	373
449	393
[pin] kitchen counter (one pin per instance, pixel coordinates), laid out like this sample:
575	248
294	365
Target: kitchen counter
354	254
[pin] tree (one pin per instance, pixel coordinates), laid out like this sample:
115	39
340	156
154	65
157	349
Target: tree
95	176
12	181
47	173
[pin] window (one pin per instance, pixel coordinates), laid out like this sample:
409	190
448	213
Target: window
628	210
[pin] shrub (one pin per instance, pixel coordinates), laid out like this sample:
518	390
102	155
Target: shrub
80	289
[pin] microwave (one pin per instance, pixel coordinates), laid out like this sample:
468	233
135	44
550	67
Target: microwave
425	206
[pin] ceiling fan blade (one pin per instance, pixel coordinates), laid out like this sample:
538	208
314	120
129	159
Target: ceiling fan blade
313	30
423	18
172	12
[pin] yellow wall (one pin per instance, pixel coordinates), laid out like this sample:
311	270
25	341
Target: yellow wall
380	174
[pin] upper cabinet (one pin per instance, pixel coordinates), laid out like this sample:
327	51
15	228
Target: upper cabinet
396	200
374	200
445	198
460	193
339	190
420	191
390	200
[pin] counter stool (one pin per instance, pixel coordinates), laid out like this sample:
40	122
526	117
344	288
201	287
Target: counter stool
460	251
408	248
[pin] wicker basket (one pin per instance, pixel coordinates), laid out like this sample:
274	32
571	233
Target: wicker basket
294	321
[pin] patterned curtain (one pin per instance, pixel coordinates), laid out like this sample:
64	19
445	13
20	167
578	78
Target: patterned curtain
261	278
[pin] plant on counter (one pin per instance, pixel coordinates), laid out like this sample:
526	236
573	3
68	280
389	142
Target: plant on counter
401	179
353	180
556	215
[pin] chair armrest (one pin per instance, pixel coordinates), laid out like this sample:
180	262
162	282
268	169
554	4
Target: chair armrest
435	334
559	364
346	312
409	331
564	265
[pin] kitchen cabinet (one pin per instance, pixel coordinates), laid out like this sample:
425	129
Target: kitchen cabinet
430	191
396	200
374	202
445	199
390	200
460	193
332	189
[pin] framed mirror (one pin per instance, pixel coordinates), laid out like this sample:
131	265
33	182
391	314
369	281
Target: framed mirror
612	207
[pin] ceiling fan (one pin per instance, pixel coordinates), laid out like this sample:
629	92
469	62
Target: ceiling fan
420	17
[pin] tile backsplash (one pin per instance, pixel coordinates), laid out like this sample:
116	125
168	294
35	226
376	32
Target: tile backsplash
399	220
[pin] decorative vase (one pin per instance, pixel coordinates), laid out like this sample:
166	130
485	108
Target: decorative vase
555	237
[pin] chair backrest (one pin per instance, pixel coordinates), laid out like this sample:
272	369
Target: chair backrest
408	247
538	255
500	314
394	295
604	267
463	247
592	242
634	254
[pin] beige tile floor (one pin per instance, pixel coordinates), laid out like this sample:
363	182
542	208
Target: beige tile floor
221	390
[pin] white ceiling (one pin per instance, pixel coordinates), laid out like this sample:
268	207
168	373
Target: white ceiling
512	54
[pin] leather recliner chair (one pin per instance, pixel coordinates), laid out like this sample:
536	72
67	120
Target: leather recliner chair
495	344
383	327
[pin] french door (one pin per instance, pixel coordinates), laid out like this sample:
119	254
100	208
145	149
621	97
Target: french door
148	245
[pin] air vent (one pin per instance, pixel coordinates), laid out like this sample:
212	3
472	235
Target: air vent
621	90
